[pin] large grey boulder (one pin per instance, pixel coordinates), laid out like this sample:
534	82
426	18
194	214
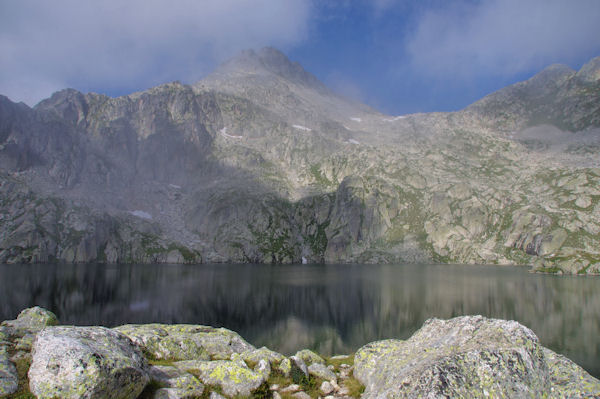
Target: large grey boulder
86	362
185	342
469	356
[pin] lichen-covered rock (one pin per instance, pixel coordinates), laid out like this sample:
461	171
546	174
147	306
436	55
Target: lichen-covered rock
321	371
185	342
263	353
309	357
175	383
285	367
8	374
30	320
263	368
469	356
568	379
229	376
461	357
182	387
86	362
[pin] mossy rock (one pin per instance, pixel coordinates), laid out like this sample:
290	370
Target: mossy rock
185	341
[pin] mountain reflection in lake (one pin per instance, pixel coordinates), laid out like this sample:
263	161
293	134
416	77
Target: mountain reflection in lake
328	308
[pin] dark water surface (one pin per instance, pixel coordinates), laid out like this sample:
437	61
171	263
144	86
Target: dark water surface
329	308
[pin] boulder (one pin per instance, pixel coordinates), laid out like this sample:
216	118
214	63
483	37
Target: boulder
568	379
326	388
265	353
229	376
321	371
285	367
86	362
185	341
469	356
30	321
309	357
263	368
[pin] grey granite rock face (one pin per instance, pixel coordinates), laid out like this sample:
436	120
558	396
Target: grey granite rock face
259	162
468	356
86	362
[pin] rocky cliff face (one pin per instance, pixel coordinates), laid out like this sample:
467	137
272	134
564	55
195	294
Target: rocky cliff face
260	162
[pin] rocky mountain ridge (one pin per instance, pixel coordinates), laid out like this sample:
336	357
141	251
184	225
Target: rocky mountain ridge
260	162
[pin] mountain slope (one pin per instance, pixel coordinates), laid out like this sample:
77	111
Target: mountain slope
260	162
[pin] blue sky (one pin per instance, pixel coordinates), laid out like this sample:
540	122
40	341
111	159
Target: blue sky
399	56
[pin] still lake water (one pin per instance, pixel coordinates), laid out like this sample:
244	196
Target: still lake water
329	308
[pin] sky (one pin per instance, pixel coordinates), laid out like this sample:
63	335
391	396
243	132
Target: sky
398	56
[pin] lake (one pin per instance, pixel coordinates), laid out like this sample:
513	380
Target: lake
332	309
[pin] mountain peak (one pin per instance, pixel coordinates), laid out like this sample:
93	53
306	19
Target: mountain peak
590	72
269	60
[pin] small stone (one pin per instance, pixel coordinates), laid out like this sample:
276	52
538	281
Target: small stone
274	387
263	368
233	379
340	357
583	201
263	353
276	395
215	395
285	367
321	371
335	385
301	395
309	357
326	388
291	388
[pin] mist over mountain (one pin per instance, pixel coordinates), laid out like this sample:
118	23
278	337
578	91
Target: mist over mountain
260	162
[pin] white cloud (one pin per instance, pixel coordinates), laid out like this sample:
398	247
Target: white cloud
503	37
121	45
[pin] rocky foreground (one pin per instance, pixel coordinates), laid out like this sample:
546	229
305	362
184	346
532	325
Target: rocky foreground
469	356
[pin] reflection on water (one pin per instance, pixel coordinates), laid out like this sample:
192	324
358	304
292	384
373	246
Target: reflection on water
332	309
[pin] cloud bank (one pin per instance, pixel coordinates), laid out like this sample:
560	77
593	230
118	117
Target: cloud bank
120	46
502	37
